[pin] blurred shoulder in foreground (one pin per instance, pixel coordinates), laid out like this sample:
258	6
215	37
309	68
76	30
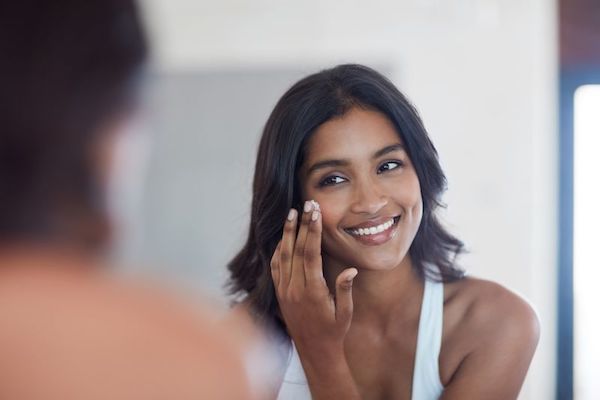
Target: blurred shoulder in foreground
70	331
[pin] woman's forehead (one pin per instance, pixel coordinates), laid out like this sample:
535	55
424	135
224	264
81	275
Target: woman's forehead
357	133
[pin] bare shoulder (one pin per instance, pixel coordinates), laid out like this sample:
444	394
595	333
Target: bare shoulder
490	335
72	318
487	307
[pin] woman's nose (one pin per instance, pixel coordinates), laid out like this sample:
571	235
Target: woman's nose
368	199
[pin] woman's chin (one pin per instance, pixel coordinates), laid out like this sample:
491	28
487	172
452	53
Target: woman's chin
375	263
381	266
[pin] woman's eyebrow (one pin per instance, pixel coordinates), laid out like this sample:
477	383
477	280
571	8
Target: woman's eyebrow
327	164
388	149
343	163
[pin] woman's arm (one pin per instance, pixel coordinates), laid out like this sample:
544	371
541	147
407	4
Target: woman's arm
505	330
316	323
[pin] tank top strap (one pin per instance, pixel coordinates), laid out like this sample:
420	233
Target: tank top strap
426	383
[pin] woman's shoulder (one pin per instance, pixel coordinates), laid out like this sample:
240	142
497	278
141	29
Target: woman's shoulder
73	314
484	322
486	309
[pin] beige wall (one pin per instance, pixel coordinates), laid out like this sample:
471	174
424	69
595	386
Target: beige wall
483	75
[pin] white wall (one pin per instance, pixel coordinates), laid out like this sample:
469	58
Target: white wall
483	75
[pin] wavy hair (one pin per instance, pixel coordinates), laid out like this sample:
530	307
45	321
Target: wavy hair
300	111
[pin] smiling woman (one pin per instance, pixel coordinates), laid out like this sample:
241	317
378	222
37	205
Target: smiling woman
347	258
368	190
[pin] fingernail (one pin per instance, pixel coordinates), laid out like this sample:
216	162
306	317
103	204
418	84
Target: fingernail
291	215
316	205
308	206
352	275
314	216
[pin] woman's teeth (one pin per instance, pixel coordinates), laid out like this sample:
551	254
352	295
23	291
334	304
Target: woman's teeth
372	230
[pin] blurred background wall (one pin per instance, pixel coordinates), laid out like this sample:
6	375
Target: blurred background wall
482	73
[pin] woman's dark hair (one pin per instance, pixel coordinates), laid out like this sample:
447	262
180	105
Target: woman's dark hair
67	69
302	109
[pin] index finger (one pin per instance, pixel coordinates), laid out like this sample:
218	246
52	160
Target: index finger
288	242
275	267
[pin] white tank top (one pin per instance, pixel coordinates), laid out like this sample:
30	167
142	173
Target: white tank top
426	384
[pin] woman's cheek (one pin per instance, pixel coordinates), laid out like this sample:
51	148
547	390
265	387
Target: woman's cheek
413	202
328	215
328	236
410	190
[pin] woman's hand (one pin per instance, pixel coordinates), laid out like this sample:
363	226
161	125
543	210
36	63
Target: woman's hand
316	320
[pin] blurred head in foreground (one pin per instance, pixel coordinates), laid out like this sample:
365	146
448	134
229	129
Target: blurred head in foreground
69	75
69	71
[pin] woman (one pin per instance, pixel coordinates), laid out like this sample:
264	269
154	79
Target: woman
68	76
347	257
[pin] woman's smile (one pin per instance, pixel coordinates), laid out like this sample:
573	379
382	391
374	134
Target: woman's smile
374	232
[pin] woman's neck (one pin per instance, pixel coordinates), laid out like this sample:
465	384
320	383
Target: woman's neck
41	255
379	296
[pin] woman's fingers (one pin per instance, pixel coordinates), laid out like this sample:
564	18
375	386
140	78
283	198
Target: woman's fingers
286	252
275	268
313	264
298	258
343	295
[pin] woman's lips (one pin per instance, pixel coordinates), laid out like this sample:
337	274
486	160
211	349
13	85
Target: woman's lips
372	235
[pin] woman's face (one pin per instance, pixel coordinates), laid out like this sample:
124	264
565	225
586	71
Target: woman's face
359	172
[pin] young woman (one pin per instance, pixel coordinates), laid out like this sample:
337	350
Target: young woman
347	257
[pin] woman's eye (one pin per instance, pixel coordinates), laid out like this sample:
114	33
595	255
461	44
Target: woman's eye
389	165
332	180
